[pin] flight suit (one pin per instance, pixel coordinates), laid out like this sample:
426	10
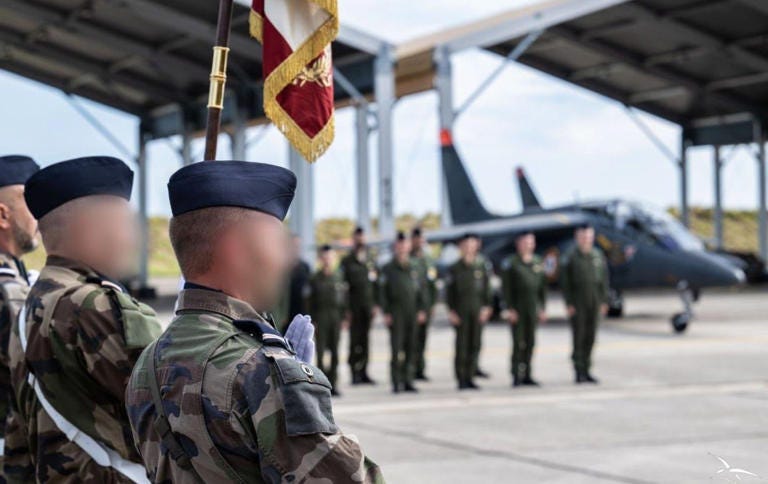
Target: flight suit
401	296
428	282
327	303
233	392
584	282
14	286
524	291
468	290
361	274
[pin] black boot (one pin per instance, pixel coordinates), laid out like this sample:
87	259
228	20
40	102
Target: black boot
463	385
409	388
581	377
395	388
367	380
472	385
357	378
530	381
516	382
481	374
590	379
421	377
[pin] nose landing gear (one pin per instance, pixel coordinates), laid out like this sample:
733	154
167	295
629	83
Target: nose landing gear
687	296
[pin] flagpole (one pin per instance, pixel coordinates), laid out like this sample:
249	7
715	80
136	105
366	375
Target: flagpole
218	78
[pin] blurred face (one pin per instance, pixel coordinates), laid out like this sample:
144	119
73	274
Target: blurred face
469	247
258	258
526	244
359	239
418	242
108	235
18	228
402	249
327	259
585	239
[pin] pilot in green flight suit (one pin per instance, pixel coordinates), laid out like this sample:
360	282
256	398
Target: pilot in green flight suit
525	296
584	282
403	306
469	298
327	303
428	281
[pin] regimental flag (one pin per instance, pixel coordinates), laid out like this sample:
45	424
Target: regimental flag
296	37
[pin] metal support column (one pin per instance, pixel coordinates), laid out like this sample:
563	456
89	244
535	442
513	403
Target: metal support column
237	137
384	86
718	215
186	149
362	130
302	221
141	161
444	86
684	212
761	180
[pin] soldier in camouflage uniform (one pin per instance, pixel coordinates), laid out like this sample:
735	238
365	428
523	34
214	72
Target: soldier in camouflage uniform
469	299
327	303
428	281
79	334
18	236
222	396
402	302
525	296
360	271
584	282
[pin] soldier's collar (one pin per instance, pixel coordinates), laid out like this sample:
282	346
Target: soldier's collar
90	275
216	302
11	266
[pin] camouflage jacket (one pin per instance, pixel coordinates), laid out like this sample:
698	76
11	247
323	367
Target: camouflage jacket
83	338
13	290
245	410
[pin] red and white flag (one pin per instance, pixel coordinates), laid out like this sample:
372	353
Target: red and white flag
296	37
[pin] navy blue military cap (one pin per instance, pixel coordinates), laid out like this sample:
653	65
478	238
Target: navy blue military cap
468	235
55	185
256	186
16	169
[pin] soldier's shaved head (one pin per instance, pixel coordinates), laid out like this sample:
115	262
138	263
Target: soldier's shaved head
18	228
99	231
245	253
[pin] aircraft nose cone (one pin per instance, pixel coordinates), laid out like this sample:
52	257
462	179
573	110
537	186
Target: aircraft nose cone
713	270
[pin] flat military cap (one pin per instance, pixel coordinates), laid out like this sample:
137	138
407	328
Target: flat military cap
57	184
256	186
16	169
325	248
400	236
469	235
416	232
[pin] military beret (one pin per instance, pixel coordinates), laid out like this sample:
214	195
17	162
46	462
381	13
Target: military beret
325	248
255	186
359	230
469	235
416	232
57	184
16	169
400	236
524	233
584	226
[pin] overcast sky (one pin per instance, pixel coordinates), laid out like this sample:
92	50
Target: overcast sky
573	144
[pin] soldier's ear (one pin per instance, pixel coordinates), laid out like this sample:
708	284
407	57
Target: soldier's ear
5	217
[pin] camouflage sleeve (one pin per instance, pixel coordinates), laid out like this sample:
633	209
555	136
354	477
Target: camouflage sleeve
17	462
289	408
106	340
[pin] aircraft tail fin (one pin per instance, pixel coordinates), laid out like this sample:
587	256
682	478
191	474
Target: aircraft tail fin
464	204
527	196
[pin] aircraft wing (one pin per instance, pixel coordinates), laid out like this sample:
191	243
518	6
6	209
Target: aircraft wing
537	223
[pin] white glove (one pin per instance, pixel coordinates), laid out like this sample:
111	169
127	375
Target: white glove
301	335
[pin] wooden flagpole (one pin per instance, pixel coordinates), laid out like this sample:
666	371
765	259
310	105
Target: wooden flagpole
218	78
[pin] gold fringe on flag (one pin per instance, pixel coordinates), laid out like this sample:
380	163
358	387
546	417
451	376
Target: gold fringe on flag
310	148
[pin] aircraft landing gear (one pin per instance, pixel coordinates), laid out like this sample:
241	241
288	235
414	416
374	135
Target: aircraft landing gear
687	296
615	303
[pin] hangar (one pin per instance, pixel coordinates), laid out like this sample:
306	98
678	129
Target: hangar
152	59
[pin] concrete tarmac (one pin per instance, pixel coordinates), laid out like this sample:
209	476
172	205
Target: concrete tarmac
668	408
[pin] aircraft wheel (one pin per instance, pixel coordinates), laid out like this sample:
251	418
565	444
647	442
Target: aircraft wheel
680	322
615	304
616	311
